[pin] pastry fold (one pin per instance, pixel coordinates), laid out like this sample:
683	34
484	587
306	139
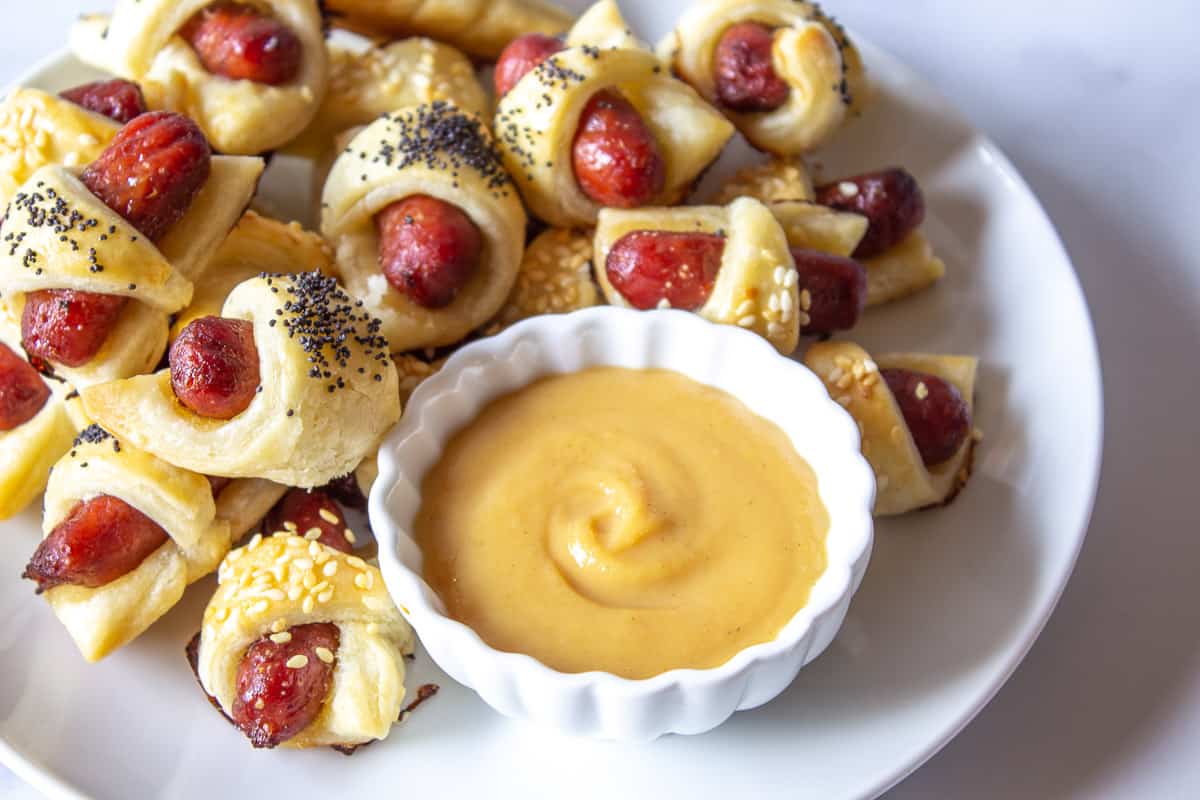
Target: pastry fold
367	81
481	28
103	618
58	235
257	244
329	391
140	42
537	120
277	583
811	52
37	129
446	153
756	285
903	482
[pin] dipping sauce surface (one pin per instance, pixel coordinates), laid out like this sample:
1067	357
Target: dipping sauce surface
629	521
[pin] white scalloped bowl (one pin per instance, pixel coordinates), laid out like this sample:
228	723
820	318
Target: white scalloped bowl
599	703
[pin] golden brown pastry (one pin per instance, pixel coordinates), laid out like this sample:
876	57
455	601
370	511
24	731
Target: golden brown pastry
125	534
443	160
555	278
902	270
817	77
257	244
480	28
626	101
743	273
772	181
286	603
917	463
366	81
328	390
37	129
188	56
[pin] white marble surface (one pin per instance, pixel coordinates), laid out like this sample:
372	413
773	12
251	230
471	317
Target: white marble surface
1096	104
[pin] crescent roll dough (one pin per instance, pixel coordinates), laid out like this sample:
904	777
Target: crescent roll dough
274	584
811	53
58	235
140	42
257	244
37	129
479	27
536	123
365	82
329	391
903	270
771	181
444	152
555	278
816	227
28	451
104	618
755	287
903	482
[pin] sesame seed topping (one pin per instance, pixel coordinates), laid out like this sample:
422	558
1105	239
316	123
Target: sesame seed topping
848	189
312	533
325	654
922	391
328	516
298	661
283	637
350	537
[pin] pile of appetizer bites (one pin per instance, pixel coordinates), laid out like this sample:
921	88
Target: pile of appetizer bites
179	372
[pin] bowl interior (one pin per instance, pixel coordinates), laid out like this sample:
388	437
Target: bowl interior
735	361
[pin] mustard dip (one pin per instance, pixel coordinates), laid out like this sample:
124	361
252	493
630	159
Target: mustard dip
629	521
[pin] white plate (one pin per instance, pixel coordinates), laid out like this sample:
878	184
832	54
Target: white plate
952	601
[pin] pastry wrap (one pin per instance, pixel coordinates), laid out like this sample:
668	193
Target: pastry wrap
140	42
37	129
103	618
256	245
481	28
555	278
903	482
755	287
277	583
329	391
537	120
45	246
440	151
811	52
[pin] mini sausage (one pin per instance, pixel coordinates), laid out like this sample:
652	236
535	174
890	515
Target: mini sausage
933	410
22	390
744	72
519	57
283	682
833	290
151	171
214	367
117	99
313	515
240	42
63	326
891	200
428	249
648	267
101	540
615	157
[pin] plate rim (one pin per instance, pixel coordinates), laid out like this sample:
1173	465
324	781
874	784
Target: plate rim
43	779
